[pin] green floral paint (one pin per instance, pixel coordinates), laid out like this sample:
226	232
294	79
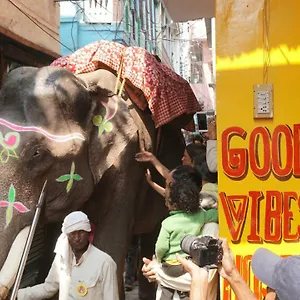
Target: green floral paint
70	178
11	204
103	123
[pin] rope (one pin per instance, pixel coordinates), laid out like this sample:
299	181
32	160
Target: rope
119	74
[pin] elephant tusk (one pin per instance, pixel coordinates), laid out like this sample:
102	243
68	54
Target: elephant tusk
10	268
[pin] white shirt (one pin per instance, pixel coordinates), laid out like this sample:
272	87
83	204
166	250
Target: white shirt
212	155
96	270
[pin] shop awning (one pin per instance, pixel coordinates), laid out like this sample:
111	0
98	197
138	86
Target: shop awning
187	10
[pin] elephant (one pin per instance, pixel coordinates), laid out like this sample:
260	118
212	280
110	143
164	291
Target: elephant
74	132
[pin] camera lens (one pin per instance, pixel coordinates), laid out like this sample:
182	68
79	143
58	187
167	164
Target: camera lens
187	242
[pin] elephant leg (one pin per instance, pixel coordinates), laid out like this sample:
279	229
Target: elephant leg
147	290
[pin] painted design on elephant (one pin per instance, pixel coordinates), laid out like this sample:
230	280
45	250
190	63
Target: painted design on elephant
9	143
11	205
103	123
53	137
70	178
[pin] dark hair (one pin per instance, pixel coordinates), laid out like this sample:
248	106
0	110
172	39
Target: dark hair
185	189
198	162
198	138
207	175
194	150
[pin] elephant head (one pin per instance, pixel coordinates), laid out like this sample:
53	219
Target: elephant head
52	127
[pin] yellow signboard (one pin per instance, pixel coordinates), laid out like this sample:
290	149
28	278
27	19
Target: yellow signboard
258	42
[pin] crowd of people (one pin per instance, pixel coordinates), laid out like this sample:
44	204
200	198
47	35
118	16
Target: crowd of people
180	278
191	196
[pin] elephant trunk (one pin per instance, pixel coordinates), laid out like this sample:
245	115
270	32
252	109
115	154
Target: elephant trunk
10	268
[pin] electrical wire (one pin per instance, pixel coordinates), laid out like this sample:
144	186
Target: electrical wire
87	18
74	47
38	25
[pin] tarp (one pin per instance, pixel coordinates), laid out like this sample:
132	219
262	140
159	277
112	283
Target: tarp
167	94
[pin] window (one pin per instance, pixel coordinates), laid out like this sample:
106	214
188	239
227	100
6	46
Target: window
100	11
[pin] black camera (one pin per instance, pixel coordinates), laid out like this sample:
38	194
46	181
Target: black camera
205	251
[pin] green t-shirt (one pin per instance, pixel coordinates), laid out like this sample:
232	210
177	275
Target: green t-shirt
176	226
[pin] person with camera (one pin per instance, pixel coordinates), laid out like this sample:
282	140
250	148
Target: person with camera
186	217
198	282
281	275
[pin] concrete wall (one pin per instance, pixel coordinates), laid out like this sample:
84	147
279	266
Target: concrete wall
31	22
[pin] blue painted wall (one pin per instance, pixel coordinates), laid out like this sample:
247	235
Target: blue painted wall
85	33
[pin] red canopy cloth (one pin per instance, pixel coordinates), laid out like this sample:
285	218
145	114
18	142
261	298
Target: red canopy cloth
168	95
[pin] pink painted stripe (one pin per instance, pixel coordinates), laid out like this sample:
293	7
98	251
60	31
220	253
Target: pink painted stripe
56	138
111	111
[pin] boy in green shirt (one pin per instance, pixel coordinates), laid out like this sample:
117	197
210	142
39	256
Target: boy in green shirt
182	199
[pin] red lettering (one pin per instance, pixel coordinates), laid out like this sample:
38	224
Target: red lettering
288	216
297	150
273	216
235	210
253	152
256	197
234	161
276	153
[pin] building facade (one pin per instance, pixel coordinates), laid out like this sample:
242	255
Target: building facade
143	23
196	60
29	33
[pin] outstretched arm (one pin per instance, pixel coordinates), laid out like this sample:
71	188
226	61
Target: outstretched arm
45	290
229	272
154	185
146	156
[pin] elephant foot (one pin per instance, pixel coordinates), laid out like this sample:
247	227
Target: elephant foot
3	292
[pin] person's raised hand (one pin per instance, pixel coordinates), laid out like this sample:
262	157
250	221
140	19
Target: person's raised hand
212	129
148	270
148	176
228	267
144	156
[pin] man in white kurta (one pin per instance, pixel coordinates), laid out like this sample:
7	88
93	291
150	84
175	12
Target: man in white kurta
90	275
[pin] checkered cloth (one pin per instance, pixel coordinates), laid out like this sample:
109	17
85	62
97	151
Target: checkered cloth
168	95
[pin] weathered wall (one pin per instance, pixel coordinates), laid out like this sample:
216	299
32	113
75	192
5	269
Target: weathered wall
22	20
259	160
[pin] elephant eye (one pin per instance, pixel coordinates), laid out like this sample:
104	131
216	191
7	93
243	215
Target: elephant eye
36	153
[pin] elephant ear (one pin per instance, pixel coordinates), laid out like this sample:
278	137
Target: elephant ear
113	129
